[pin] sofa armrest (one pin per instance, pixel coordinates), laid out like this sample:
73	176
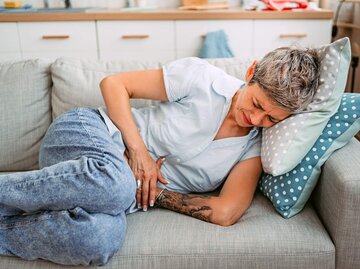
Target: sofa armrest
337	201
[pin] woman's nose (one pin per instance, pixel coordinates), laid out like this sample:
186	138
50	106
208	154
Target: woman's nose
257	117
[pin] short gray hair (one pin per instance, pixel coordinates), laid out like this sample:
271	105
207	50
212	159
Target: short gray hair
289	76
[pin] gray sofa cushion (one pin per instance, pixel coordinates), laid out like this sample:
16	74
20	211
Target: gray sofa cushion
261	239
26	113
233	66
76	81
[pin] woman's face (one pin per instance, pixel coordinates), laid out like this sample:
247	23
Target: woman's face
253	108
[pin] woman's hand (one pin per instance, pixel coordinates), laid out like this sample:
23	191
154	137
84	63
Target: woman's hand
117	90
147	173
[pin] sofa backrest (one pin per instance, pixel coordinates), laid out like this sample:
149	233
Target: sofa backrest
76	82
34	92
25	112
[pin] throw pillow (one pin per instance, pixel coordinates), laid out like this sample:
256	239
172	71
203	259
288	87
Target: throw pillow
290	191
287	142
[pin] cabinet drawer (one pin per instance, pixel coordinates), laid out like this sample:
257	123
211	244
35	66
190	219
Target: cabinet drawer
57	36
271	34
9	38
190	36
135	36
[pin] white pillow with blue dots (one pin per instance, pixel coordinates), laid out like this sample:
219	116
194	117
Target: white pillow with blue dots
290	191
287	142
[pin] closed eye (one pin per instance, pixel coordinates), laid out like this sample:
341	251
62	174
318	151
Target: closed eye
273	120
257	105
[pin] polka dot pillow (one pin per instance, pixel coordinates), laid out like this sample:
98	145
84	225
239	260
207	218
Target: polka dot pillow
290	191
286	143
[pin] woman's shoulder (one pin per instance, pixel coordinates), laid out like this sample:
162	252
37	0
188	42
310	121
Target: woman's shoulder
191	63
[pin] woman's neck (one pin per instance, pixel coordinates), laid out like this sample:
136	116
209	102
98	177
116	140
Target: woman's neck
229	126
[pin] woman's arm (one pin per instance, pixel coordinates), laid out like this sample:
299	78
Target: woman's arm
117	90
225	209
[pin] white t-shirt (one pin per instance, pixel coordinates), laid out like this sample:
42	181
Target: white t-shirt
183	129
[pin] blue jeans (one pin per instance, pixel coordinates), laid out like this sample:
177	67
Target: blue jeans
72	210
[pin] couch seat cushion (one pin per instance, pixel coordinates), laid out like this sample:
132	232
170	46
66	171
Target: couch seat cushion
261	239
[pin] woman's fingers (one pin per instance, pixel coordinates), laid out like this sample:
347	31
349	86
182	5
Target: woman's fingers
139	182
147	189
138	192
152	191
147	184
160	177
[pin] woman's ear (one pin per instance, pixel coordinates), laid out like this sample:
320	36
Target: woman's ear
250	71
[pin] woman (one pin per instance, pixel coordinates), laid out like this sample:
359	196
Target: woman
99	165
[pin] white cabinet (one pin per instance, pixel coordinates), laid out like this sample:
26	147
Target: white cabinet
9	44
190	36
58	39
155	40
271	34
136	40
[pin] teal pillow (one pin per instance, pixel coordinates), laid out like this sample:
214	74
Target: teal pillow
286	143
290	191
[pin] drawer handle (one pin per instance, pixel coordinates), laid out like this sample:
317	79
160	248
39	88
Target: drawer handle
292	35
135	36
55	36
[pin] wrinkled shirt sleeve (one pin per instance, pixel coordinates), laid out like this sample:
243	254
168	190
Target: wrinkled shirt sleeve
179	76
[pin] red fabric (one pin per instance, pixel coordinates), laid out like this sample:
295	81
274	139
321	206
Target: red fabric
284	4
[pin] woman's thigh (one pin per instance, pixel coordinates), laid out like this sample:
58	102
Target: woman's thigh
76	133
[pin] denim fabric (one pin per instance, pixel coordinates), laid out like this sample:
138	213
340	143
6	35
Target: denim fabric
72	210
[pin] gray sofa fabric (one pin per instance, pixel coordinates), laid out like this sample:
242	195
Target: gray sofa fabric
164	239
76	83
337	200
261	239
25	112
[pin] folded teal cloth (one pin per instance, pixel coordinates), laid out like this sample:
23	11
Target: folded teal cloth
216	46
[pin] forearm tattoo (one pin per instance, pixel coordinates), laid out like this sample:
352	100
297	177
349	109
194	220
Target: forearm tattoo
189	204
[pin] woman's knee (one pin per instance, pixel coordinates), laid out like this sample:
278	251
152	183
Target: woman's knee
72	135
60	139
99	240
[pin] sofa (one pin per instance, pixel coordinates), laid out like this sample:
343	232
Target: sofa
324	235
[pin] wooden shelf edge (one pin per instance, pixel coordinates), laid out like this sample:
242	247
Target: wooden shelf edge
229	14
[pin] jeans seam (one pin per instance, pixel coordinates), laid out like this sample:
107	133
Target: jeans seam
83	124
27	222
18	183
